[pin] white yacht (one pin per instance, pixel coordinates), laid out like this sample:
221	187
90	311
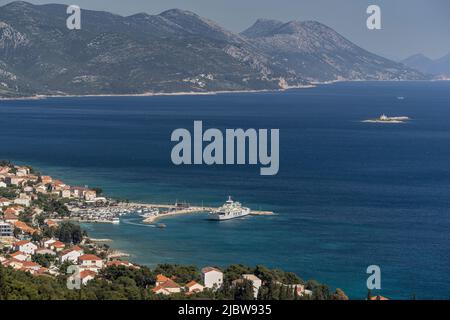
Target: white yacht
152	212
229	210
115	220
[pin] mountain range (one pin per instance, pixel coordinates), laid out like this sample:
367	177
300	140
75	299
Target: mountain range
175	51
438	68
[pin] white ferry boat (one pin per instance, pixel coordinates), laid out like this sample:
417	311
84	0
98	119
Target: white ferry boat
230	210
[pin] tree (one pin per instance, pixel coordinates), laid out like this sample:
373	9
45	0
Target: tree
69	232
244	291
182	274
339	295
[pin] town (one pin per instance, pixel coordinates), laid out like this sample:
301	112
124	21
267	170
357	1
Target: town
39	237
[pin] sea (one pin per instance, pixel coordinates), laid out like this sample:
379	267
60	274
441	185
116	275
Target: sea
348	194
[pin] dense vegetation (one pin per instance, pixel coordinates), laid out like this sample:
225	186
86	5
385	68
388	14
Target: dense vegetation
121	283
52	205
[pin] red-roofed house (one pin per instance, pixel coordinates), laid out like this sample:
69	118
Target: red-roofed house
58	246
46	179
30	266
194	287
25	246
71	254
86	276
13	263
21	256
160	279
90	261
22	226
10	218
168	287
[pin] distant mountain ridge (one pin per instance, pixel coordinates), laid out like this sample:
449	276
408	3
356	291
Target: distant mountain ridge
439	67
175	51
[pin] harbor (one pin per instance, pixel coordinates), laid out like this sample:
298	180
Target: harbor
111	211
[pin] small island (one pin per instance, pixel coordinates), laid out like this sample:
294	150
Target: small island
385	119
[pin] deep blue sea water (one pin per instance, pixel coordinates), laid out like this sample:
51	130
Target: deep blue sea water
348	194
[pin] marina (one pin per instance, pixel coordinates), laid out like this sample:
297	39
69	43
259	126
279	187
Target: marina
111	211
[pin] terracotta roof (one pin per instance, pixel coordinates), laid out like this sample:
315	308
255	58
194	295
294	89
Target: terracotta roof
58	244
209	269
169	284
10	211
24	227
10	216
87	273
118	263
192	283
76	248
20	243
29	264
161	278
89	257
17	253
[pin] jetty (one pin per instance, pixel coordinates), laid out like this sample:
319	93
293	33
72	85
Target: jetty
173	210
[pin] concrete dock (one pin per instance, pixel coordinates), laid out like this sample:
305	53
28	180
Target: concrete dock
189	210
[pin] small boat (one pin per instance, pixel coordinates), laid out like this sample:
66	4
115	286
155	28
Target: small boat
115	220
161	225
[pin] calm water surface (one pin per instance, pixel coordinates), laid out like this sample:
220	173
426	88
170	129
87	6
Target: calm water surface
348	194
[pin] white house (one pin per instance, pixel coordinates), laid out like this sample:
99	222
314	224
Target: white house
71	254
48	243
4	202
168	287
212	277
21	256
23	200
2	184
86	276
22	171
90	261
194	287
256	282
25	246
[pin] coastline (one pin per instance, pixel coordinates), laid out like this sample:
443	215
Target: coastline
154	94
201	93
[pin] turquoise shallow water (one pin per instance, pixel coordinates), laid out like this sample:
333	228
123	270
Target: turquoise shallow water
348	194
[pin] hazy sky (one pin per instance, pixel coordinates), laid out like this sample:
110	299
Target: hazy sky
409	26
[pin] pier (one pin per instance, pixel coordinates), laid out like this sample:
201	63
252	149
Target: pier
173	211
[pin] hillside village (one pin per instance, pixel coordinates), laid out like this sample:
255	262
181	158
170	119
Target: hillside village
37	237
